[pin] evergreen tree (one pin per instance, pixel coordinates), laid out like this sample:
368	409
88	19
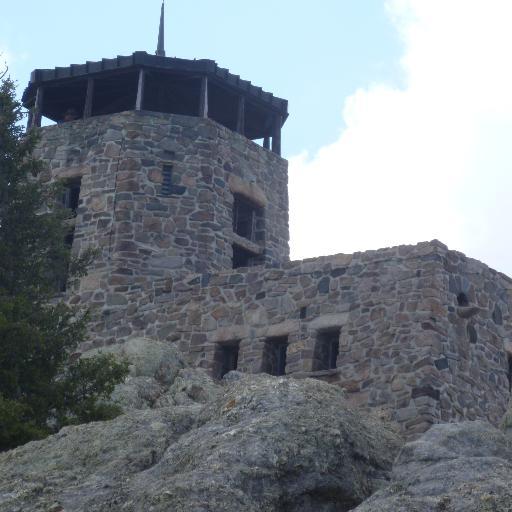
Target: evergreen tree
40	388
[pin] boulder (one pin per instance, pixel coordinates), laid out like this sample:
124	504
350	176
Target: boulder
257	443
454	467
147	358
154	366
137	393
191	385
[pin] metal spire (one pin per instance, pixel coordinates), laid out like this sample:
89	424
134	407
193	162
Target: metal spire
160	50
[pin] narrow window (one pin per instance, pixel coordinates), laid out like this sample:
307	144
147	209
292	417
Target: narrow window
326	350
166	180
274	356
226	358
71	194
509	375
70	199
472	334
244	217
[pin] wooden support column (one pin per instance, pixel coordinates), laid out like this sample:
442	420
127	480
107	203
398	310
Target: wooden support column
203	99
88	98
240	118
276	135
30	119
35	118
266	142
139	103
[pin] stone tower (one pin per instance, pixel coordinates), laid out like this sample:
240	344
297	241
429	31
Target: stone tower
171	166
190	216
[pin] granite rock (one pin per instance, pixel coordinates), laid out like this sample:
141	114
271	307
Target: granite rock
259	443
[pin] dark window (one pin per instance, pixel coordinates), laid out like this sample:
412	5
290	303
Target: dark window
244	217
497	315
169	180
70	199
242	257
509	375
274	356
462	299
71	194
226	358
472	334
326	350
166	180
68	239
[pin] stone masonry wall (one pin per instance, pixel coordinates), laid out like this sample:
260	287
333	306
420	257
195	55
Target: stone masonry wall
424	332
404	342
144	235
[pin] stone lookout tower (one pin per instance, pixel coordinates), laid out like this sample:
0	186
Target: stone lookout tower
173	169
171	165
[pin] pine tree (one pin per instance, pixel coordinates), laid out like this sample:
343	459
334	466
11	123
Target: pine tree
40	388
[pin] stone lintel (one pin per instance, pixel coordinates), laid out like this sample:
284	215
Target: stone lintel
249	190
232	333
328	321
247	244
72	172
281	329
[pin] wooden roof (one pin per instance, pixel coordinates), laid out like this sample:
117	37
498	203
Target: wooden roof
206	67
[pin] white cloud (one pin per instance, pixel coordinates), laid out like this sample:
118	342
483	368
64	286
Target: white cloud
430	160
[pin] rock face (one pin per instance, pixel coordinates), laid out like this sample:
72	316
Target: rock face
464	467
250	443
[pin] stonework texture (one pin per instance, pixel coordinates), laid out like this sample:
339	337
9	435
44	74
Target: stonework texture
144	234
421	331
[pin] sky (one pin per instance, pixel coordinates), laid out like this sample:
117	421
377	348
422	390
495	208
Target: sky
400	110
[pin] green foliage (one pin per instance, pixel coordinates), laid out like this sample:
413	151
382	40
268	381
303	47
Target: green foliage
40	389
85	387
16	425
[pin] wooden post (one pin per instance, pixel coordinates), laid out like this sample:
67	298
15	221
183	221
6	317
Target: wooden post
30	119
88	98
38	108
203	99
276	135
140	90
266	142
240	118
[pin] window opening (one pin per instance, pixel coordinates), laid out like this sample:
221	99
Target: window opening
227	358
166	180
70	199
462	299
497	316
472	334
326	350
244	217
242	257
509	375
116	93
274	356
71	194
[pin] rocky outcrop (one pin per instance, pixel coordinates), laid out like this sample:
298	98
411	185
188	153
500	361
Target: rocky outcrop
462	467
249	443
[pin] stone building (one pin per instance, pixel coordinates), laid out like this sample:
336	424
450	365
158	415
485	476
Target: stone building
173	168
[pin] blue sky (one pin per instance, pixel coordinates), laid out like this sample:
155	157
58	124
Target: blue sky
400	110
311	56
